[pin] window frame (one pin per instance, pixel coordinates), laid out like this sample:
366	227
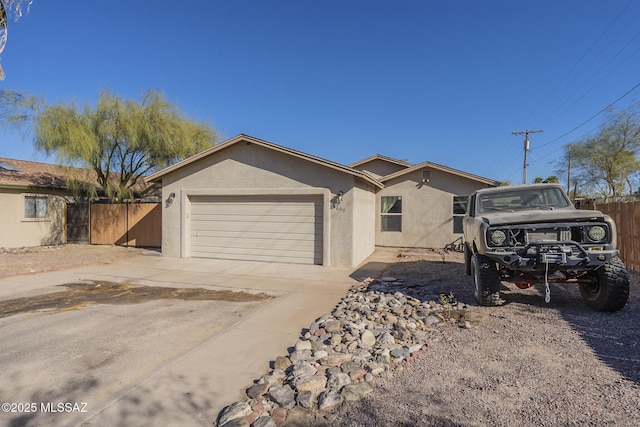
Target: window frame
40	209
386	216
458	215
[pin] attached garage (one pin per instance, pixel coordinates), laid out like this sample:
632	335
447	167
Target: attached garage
247	199
262	228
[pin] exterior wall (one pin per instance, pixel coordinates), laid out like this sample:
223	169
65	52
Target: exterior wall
18	231
379	167
427	209
364	219
250	169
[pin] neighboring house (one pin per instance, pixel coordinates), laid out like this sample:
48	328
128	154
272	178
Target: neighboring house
32	196
34	199
250	199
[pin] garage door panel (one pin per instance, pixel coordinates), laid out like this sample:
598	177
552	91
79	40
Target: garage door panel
269	244
261	235
251	219
273	228
293	258
254	209
253	227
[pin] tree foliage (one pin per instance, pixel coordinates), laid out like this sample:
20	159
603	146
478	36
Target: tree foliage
549	179
607	163
121	140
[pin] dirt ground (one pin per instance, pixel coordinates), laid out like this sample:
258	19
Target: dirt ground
50	258
526	363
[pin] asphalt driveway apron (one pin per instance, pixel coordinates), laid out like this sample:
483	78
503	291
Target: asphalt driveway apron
165	361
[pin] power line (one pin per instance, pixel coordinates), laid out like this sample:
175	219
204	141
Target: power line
579	60
592	117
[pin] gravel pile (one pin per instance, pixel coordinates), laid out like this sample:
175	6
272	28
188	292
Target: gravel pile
372	332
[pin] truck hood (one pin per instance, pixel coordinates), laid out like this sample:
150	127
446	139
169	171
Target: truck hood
538	216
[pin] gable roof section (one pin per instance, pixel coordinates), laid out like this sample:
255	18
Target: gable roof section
429	165
383	158
157	176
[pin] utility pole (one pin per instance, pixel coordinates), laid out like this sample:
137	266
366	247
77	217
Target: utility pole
569	177
526	148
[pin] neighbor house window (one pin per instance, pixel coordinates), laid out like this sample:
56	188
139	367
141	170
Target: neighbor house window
35	206
391	213
459	209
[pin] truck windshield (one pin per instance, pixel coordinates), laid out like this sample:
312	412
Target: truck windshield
538	198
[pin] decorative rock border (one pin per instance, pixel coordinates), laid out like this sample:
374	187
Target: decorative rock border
377	326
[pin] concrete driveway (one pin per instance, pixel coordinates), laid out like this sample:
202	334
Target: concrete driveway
155	362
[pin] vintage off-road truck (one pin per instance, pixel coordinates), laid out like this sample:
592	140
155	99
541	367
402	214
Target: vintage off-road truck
532	234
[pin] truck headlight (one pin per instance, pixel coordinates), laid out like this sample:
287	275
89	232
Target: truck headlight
497	237
597	233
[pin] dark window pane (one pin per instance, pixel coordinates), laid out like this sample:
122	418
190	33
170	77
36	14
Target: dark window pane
459	205
457	224
29	207
391	222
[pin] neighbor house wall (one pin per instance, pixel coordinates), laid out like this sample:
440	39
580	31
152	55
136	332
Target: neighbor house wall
251	169
18	231
427	208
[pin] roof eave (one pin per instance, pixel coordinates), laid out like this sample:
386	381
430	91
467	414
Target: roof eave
157	176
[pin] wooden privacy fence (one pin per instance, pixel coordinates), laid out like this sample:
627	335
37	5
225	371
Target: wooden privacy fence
627	218
130	224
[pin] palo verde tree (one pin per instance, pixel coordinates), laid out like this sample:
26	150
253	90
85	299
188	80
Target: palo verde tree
607	163
121	140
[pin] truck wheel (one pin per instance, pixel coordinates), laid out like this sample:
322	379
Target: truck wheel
467	260
486	280
609	290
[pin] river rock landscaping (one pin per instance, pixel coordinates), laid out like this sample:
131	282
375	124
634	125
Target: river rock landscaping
377	327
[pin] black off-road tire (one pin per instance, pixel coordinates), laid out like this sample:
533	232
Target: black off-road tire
486	280
467	259
609	290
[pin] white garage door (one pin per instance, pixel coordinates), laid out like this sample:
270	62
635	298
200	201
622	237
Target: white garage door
274	228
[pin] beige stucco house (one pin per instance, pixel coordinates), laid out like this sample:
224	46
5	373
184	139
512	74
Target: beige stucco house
32	196
250	199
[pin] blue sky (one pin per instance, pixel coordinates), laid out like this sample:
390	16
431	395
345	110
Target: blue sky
439	81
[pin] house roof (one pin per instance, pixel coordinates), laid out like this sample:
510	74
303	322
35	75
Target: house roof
383	158
249	139
27	175
429	165
32	175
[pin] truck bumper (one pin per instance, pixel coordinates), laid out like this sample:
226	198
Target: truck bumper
554	256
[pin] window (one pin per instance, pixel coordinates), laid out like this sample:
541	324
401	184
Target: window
459	209
459	205
35	207
391	213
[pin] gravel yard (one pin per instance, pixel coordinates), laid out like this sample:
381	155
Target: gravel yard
525	363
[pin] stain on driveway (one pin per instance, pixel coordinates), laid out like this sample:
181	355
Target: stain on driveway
82	294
